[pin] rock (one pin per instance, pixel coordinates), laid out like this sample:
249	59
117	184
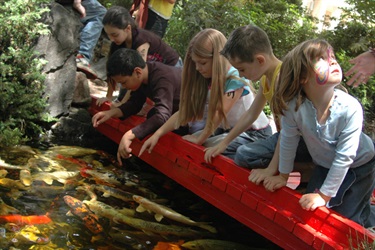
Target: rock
81	91
59	49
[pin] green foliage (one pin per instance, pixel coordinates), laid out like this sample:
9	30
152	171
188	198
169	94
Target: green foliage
109	3
286	24
21	77
354	34
283	21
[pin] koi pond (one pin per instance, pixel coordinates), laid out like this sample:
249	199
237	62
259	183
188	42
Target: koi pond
73	197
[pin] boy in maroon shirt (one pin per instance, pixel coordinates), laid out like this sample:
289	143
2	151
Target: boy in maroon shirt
154	80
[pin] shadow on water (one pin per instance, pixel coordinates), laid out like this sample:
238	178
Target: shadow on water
55	195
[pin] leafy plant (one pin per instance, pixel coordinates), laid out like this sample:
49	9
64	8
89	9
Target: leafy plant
21	79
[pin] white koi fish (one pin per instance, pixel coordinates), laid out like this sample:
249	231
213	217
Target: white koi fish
213	244
60	176
103	210
163	211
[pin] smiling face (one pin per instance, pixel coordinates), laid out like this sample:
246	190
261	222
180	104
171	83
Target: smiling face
203	65
326	69
116	35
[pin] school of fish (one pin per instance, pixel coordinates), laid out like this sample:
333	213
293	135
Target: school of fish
78	195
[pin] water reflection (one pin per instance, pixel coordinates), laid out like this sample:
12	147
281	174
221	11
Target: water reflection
71	197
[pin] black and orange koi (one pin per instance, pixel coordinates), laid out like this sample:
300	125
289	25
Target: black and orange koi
79	209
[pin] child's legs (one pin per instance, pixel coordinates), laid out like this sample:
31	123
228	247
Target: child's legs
356	201
215	139
92	27
256	154
353	198
245	138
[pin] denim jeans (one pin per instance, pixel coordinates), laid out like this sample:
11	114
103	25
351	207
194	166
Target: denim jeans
353	197
246	137
258	154
92	27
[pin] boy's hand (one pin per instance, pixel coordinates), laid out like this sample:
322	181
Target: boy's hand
273	183
149	144
212	152
313	200
124	150
100	118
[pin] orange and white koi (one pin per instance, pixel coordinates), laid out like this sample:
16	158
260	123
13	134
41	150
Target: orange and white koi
79	209
163	211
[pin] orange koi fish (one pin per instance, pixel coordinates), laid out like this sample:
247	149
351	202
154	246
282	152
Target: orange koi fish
79	209
24	219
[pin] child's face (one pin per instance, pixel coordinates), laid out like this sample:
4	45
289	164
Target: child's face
203	65
116	35
132	82
327	70
251	71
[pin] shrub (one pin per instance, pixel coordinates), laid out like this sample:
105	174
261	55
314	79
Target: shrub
21	79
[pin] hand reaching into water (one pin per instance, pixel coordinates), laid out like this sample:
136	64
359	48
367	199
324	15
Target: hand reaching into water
124	150
149	144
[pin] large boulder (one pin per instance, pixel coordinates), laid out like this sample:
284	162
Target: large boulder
59	49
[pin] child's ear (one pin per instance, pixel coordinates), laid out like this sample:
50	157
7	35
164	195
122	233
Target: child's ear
260	59
138	72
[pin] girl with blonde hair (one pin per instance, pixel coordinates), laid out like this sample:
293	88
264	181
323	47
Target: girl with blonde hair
213	97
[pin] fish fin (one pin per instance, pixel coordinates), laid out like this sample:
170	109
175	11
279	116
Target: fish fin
62	181
158	217
106	194
48	180
69	213
149	233
140	209
209	228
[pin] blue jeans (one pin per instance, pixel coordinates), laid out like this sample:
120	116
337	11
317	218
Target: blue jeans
92	27
353	197
258	154
246	137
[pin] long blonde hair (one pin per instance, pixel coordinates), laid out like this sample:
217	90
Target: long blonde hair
297	67
206	44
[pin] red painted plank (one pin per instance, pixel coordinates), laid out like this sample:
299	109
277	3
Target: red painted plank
220	182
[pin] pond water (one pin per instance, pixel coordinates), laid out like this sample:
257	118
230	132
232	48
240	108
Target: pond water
74	197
